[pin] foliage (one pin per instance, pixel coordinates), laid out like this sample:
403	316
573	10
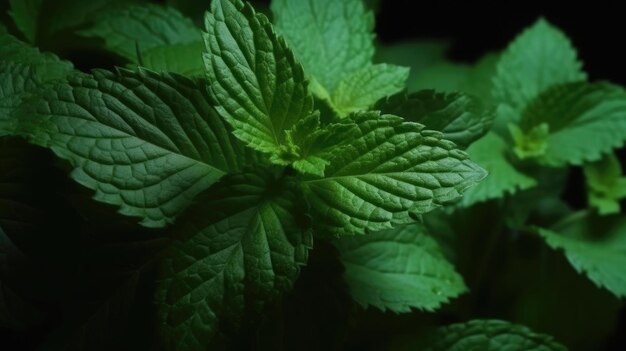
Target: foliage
237	152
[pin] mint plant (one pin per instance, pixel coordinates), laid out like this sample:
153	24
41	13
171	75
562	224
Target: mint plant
250	183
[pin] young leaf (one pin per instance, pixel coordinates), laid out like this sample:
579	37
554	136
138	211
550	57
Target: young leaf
389	171
240	246
573	123
46	65
490	152
461	118
399	269
334	42
606	185
25	14
594	247
15	81
134	28
144	141
539	58
259	87
490	335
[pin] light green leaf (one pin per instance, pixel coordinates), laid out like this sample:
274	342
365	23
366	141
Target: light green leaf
141	28
334	42
145	142
490	335
578	121
595	247
240	247
361	89
16	80
490	152
46	65
389	171
399	269
25	14
539	58
332	39
606	185
461	118
259	87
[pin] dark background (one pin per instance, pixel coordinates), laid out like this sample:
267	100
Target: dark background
596	28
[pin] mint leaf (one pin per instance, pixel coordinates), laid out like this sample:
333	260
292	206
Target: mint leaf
461	118
398	269
418	55
490	335
540	57
447	76
332	39
146	142
334	42
606	185
25	14
490	152
573	123
240	246
259	87
185	59
358	91
389	171
134	28
594	247
15	81
46	65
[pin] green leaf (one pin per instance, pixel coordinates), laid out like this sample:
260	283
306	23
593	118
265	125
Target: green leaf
606	185
146	142
490	152
46	65
361	89
240	247
185	59
15	81
399	269
539	58
461	118
259	87
332	39
573	123
145	27
595	247
25	14
390	171
334	42
490	335
418	55
66	16
474	79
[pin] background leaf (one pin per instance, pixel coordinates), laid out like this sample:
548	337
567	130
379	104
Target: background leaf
399	269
